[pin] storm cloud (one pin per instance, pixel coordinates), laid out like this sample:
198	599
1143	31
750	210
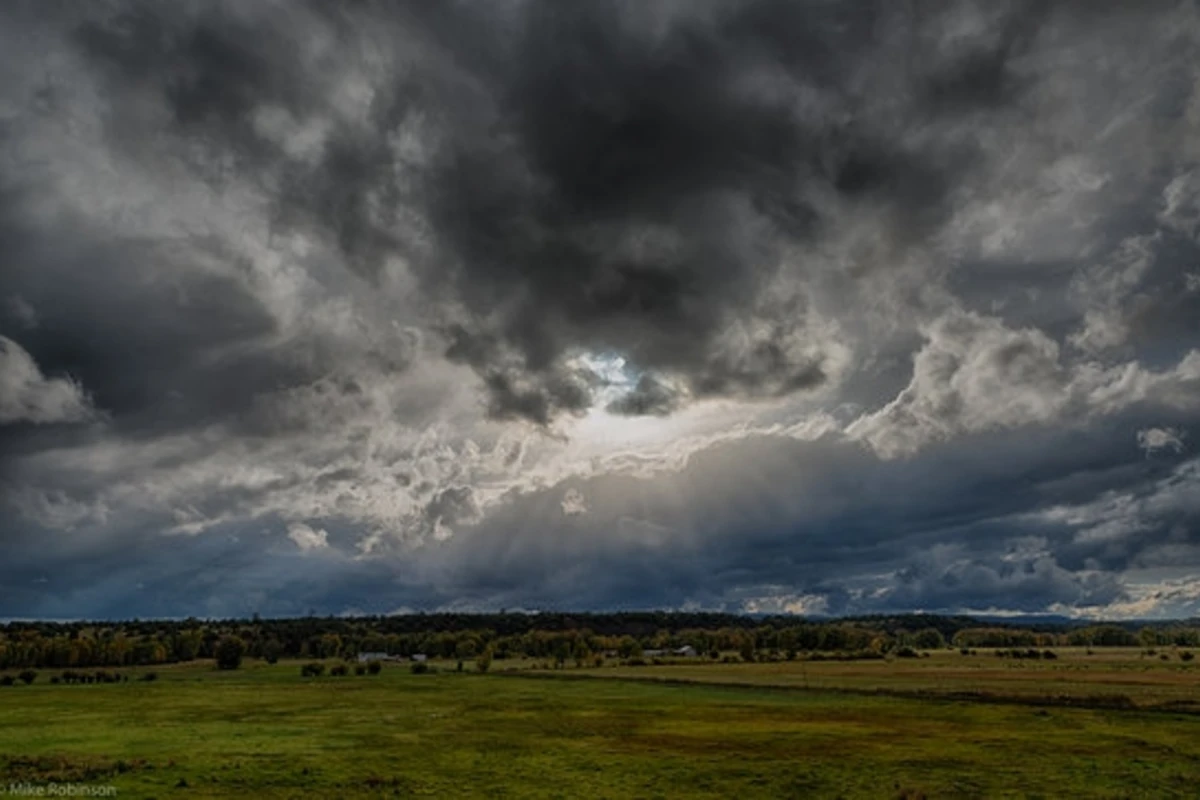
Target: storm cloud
812	306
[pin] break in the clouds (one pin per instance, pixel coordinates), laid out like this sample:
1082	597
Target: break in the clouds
820	307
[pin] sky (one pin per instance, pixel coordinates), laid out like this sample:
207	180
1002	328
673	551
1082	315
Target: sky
771	306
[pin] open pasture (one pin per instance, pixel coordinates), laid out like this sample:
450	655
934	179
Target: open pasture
1113	676
263	731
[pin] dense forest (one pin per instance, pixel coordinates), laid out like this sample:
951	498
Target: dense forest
560	637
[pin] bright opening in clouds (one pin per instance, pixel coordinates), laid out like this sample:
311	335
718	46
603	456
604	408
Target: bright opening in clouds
747	305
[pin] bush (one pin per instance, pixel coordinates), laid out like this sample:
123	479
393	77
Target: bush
272	650
483	662
7	680
374	667
1186	655
54	679
27	676
907	652
149	677
360	669
312	670
229	652
338	670
419	668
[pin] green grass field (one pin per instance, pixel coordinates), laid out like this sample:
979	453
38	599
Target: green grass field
263	731
1114	675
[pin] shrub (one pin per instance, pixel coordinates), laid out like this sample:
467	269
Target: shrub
637	662
27	676
374	667
7	680
906	652
483	662
54	679
312	670
964	651
419	668
1164	657
149	677
1187	655
360	669
1049	655
272	650
338	670
229	652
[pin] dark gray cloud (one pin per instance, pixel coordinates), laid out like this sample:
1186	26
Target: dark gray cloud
597	179
754	304
649	396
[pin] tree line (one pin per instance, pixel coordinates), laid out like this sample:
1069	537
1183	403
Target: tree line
550	636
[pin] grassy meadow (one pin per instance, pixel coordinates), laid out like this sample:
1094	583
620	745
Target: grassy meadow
723	730
1105	676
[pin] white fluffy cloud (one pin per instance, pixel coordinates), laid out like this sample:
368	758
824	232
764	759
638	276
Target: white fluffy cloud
308	538
974	374
1154	439
26	395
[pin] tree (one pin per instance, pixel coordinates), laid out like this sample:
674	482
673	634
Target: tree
582	654
229	652
929	639
483	662
272	650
